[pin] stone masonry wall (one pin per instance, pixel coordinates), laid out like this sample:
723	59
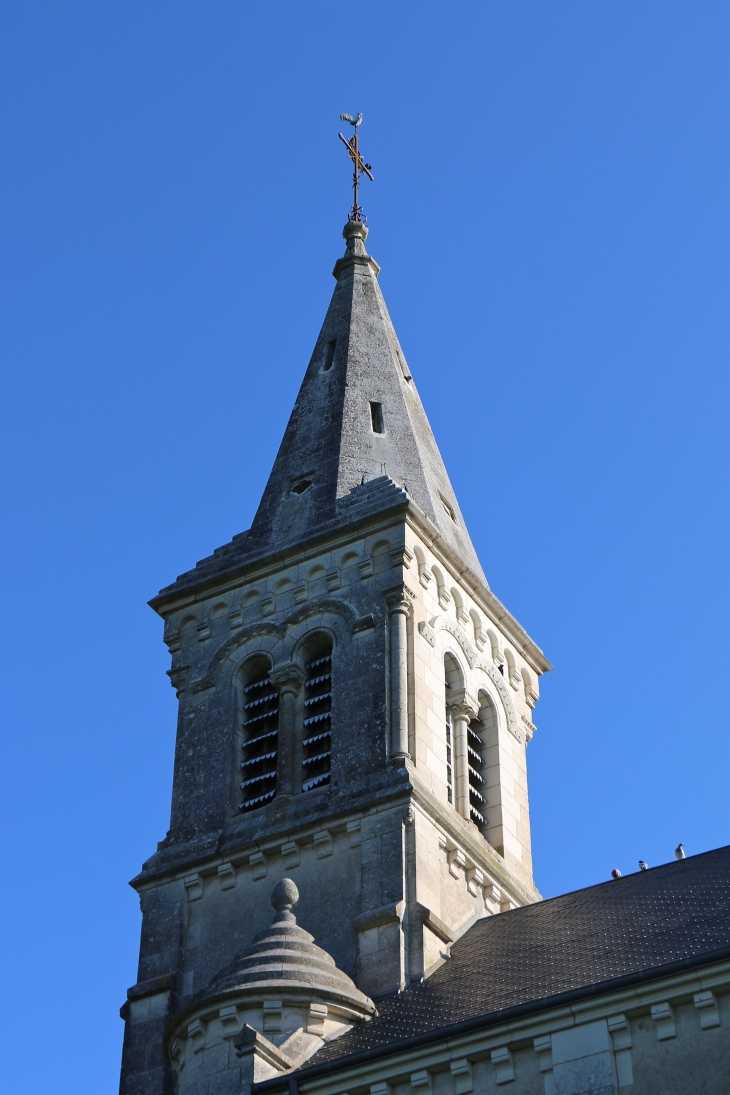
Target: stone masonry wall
388	873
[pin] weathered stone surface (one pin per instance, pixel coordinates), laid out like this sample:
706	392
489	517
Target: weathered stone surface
282	985
330	448
359	549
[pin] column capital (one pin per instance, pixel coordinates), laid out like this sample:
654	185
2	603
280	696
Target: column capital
463	704
287	678
399	600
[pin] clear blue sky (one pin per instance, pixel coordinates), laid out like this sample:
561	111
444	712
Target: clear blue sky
550	213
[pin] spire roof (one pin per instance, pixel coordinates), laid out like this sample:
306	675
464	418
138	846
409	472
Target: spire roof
357	418
358	440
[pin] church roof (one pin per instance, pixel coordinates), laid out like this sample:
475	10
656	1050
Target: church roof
358	440
605	937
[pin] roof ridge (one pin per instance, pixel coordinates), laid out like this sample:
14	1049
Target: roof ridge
623	878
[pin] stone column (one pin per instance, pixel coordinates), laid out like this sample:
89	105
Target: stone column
399	608
288	681
463	710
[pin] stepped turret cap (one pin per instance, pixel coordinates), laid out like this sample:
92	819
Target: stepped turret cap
284	961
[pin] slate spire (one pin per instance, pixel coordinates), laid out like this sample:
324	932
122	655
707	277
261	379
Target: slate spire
358	425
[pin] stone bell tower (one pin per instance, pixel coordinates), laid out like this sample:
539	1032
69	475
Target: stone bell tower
354	710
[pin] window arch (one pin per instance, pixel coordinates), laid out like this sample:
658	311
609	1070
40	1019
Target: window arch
316	765
317	580
259	722
284	594
381	556
424	574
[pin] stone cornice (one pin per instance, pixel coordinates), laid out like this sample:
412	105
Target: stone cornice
355	260
256	567
227	848
249	570
466	837
477	589
252	569
232	851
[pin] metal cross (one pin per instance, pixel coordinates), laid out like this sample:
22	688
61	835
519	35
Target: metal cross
359	165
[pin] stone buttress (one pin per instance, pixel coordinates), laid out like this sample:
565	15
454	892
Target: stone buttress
354	710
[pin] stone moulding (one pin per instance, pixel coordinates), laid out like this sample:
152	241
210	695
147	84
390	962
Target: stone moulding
443	623
250	1040
237	848
343	609
477	588
376	918
178	678
202	685
166	982
434	923
454	834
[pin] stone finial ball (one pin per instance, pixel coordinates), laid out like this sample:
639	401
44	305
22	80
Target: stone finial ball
285	894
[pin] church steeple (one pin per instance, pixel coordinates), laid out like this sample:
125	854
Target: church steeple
357	418
354	710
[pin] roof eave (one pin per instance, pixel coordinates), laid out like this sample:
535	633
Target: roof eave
484	1022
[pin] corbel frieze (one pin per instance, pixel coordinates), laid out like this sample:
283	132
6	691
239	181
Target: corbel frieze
462	866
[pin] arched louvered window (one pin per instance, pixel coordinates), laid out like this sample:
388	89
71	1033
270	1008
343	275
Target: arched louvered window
317	729
260	734
453	679
449	756
477	782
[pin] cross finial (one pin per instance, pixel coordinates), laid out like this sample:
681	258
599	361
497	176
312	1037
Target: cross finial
359	165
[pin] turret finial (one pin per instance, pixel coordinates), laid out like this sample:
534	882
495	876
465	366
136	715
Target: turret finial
284	897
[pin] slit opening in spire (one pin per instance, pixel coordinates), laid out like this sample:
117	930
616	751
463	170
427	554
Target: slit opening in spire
376	417
329	355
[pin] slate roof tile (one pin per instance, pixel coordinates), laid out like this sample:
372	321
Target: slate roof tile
640	923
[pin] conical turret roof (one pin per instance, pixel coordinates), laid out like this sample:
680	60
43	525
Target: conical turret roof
284	960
